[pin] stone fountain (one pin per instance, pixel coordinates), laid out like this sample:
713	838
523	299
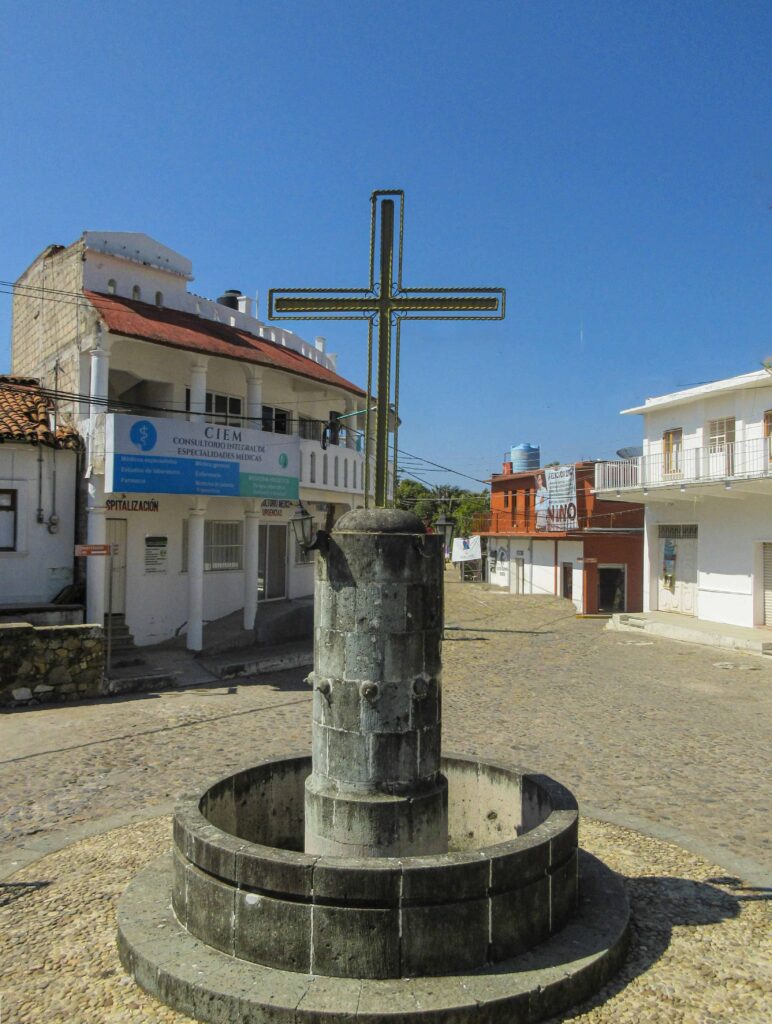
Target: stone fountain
375	880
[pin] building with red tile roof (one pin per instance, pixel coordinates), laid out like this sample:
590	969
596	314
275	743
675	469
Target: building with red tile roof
204	426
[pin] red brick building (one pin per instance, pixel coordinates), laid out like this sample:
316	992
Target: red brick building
549	533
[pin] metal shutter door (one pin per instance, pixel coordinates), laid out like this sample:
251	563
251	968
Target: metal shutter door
768	584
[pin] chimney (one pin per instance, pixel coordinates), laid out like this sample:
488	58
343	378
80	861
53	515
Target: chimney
245	305
319	344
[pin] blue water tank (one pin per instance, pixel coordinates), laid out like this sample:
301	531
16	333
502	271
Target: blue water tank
525	457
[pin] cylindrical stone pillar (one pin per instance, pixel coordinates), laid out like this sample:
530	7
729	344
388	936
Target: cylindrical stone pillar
195	580
376	789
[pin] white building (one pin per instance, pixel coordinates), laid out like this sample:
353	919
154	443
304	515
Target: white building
38	466
204	426
705	475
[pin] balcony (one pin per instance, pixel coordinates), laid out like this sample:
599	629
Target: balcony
504	522
715	465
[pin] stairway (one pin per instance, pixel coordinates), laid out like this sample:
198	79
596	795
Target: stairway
123	650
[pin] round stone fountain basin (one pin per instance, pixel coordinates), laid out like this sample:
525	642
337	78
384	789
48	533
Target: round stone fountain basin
243	885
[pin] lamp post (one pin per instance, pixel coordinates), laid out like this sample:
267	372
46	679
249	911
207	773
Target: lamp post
446	527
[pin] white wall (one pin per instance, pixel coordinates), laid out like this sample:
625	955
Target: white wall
157	603
730	534
573	551
43	562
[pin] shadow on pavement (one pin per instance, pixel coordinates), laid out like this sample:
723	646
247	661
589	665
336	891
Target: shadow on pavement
658	905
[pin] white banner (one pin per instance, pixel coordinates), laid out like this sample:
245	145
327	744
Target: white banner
466	549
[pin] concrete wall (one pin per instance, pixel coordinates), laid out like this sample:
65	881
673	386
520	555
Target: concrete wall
43	562
50	663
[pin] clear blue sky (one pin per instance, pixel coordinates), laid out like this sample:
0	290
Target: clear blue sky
608	163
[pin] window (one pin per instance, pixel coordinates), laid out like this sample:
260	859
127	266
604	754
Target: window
506	499
335	472
159	299
672	446
312	471
345	472
222	409
8	508
354	475
111	286
768	432
136	292
677	531
223	546
276	420
720	433
310	429
324	468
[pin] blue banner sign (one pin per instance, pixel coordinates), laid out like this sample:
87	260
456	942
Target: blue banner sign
169	456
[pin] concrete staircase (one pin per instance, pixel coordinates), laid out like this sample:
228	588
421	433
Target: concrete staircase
129	671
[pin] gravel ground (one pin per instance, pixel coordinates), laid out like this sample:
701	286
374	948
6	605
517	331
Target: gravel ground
701	951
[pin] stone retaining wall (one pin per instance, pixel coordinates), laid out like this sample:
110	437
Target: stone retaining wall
50	663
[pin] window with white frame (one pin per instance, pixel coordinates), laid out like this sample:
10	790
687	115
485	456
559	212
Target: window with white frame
720	433
136	292
223	409
111	286
8	513
223	545
278	421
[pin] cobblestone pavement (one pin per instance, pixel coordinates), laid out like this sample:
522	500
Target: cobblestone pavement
701	950
663	737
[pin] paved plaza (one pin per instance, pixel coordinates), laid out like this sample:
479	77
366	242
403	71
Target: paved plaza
653	736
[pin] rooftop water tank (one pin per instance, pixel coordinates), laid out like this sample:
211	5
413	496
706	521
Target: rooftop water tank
525	457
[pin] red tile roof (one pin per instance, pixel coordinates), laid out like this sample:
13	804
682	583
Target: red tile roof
188	331
24	413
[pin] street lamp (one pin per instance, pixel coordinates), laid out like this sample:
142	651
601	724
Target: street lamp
446	526
303	528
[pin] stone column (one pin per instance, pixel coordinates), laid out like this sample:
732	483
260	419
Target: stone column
98	383
195	579
96	566
198	392
255	401
251	547
376	789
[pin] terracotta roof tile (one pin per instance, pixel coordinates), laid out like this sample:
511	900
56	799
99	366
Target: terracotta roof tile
24	417
196	334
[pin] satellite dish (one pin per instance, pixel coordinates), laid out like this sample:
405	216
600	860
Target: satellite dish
632	451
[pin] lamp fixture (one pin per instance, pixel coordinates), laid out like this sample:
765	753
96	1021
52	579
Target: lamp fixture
303	528
446	527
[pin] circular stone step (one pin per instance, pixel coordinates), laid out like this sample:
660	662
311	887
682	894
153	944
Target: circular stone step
204	983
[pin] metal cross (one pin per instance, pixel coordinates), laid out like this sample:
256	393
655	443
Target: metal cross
385	303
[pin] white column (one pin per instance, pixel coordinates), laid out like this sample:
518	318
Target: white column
195	579
251	547
254	400
198	392
100	368
96	567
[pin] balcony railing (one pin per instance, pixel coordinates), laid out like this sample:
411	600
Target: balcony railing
745	460
504	521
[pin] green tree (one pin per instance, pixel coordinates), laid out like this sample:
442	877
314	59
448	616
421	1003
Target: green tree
414	497
469	507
